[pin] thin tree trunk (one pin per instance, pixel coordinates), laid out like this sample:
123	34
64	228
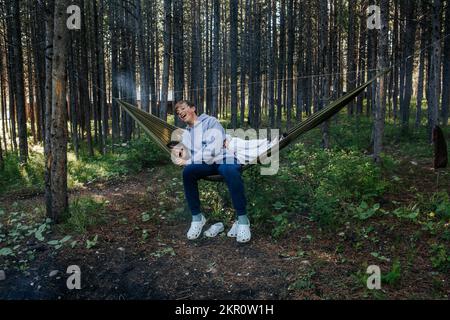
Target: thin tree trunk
433	101
380	107
271	65
233	58
19	84
409	63
281	61
49	24
420	80
104	114
215	60
115	113
178	53
351	65
290	62
167	49
446	72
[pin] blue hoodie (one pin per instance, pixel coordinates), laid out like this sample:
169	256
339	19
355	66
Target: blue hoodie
205	141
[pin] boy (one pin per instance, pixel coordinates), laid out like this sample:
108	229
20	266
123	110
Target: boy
203	140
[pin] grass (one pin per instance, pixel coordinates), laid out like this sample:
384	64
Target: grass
83	213
128	158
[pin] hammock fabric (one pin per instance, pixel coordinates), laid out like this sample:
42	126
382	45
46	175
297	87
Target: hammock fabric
161	131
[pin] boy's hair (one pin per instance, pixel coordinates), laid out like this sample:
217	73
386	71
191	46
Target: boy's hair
184	102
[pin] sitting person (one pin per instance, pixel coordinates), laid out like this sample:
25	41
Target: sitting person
202	154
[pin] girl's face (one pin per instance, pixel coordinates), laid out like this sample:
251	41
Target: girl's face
186	114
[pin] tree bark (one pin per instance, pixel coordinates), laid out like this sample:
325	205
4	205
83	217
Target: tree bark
233	59
380	107
409	63
281	62
420	81
215	60
49	24
433	97
19	84
446	72
166	66
290	63
351	56
59	113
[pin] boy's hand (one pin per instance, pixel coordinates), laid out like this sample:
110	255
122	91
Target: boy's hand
180	162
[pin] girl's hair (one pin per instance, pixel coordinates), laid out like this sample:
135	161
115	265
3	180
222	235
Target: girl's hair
184	102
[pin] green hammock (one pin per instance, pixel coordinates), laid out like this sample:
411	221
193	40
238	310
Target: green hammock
161	131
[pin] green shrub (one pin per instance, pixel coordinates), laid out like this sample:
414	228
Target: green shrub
440	257
335	178
16	176
83	213
394	275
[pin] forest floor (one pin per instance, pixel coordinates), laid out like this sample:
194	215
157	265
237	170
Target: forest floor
141	251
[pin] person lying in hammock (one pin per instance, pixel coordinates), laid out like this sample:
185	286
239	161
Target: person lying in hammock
202	153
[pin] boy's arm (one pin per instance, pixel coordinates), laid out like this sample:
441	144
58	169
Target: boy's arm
215	136
212	143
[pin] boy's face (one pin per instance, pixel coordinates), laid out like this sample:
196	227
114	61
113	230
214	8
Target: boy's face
186	114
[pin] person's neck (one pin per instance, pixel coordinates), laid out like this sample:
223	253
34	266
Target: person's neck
194	121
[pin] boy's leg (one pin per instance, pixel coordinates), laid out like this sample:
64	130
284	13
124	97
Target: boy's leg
233	179
191	174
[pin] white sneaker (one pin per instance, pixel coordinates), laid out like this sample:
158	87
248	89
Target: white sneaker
214	230
196	229
243	233
232	233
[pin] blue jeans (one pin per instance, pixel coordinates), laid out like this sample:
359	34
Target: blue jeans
232	176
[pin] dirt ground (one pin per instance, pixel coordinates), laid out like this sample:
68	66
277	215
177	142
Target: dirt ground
309	263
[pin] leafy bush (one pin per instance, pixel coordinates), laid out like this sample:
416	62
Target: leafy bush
16	176
334	178
440	258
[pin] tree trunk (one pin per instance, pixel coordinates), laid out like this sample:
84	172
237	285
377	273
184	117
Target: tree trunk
215	60
433	97
143	77
409	63
115	112
290	62
446	72
420	80
281	62
361	77
38	45
324	91
73	96
380	106
84	82
59	113
178	53
272	65
104	114
19	84
233	58
49	24
351	57
167	49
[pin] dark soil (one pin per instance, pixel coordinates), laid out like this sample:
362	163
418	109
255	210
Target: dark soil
309	263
